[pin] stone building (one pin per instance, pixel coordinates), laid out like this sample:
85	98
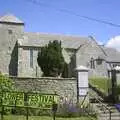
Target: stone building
19	49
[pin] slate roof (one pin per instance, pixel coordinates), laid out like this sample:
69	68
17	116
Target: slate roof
112	54
71	42
41	39
9	18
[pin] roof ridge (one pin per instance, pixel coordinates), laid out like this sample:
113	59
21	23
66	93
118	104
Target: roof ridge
56	34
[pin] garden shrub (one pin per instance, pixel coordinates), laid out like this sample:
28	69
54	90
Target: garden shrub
68	109
6	84
52	55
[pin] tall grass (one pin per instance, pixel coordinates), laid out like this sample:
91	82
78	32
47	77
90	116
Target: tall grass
101	83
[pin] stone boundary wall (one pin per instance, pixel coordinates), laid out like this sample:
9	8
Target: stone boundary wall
66	88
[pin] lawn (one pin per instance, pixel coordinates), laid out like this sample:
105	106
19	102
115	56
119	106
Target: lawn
101	83
11	117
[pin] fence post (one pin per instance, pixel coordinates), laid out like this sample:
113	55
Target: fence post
54	110
2	112
113	85
27	113
110	114
26	104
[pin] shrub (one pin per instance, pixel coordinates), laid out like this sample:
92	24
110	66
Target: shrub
69	109
51	60
6	84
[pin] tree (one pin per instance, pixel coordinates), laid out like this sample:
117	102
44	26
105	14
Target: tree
51	60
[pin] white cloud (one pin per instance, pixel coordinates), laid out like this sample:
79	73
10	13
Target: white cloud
100	43
114	42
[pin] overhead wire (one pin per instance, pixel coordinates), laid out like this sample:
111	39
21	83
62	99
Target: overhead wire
37	2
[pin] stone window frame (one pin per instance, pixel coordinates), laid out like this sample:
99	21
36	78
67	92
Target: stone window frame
99	60
92	63
31	58
10	31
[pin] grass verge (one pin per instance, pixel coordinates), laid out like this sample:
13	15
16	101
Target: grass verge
13	117
101	83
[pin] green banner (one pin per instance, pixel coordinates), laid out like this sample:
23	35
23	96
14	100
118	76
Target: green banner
35	100
12	99
41	100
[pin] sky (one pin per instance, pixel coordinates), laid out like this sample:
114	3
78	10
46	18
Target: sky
48	18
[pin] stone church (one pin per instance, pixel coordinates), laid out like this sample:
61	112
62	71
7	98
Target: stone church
19	50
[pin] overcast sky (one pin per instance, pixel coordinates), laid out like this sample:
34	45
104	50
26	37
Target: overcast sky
47	17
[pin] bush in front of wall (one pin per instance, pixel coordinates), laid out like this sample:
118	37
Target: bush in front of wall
50	59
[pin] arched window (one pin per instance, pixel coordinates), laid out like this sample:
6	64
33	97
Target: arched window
92	63
31	58
99	61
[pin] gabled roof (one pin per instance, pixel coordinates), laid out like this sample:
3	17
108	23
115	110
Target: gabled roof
41	39
112	54
9	18
92	38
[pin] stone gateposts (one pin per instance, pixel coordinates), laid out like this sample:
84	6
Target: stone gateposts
82	84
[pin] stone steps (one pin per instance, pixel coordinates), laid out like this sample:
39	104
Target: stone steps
104	114
114	116
104	109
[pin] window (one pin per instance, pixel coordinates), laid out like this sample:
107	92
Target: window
99	61
31	58
10	31
92	63
114	65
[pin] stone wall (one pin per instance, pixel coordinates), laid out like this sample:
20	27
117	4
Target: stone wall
66	88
